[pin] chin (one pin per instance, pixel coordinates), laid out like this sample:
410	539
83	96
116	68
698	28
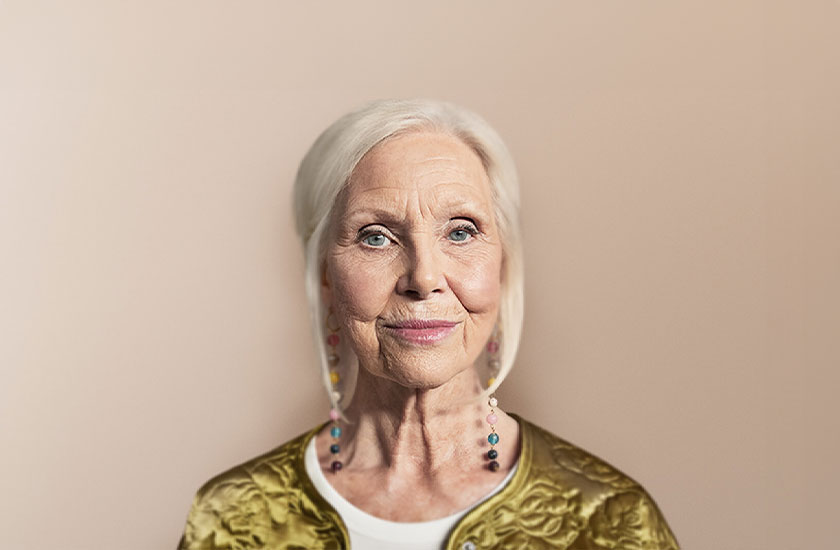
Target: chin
423	374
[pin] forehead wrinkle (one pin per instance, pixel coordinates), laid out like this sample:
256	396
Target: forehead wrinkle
396	203
409	184
379	192
376	207
432	168
438	157
438	164
464	197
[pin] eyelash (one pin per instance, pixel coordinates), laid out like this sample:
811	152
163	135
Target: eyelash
465	226
469	227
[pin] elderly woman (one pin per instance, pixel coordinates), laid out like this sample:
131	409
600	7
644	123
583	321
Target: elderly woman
408	213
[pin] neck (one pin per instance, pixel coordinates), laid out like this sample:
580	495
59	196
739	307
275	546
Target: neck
414	432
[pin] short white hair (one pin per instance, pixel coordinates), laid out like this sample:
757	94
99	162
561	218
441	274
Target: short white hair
327	168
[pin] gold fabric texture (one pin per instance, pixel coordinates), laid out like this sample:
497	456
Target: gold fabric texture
560	497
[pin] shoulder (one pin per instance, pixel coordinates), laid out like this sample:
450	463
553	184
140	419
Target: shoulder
266	502
613	510
565	497
557	458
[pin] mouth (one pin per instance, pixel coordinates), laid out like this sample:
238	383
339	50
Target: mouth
421	331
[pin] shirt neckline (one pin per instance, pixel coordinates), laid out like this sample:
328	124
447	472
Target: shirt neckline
374	527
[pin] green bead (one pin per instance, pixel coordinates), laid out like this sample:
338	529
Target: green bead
335	431
493	438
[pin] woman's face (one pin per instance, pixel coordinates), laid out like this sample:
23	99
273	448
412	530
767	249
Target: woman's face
414	260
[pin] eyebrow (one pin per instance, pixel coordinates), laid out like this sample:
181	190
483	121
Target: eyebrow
470	207
377	213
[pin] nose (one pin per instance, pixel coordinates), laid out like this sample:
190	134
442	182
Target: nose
424	274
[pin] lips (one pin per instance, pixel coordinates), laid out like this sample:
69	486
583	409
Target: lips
418	324
421	331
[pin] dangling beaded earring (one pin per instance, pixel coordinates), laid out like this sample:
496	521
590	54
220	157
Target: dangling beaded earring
494	365
493	438
335	414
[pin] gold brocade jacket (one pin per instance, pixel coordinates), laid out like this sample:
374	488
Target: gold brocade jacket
560	497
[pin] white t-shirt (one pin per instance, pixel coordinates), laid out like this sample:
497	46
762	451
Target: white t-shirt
369	532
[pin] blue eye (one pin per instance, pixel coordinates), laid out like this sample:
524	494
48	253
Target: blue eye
377	240
459	235
462	233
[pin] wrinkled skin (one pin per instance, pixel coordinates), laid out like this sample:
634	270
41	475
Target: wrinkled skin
413	197
414	236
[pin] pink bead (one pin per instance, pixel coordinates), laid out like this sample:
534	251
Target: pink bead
334	414
492	347
332	339
492	419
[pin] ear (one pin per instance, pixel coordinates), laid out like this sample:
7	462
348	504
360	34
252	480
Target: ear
326	289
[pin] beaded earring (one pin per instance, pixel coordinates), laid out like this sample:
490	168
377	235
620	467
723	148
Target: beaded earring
494	365
493	438
335	415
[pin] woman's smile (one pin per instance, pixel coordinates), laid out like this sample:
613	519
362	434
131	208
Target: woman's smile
421	331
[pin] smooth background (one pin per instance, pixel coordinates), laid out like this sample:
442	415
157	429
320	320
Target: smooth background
681	189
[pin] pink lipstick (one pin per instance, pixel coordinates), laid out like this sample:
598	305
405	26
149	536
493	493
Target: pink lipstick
422	331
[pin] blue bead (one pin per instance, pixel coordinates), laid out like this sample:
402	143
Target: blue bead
334	448
335	431
493	438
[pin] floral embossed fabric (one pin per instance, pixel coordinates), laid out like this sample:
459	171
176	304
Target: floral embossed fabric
561	497
628	521
266	503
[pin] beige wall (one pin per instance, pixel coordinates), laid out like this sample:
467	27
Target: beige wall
681	183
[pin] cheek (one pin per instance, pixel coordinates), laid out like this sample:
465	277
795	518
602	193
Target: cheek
361	289
477	282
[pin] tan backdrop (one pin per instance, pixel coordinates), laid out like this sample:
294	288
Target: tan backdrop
681	184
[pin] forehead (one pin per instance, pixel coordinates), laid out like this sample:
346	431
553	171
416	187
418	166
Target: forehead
424	162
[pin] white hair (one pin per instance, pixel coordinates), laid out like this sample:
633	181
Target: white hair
327	167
